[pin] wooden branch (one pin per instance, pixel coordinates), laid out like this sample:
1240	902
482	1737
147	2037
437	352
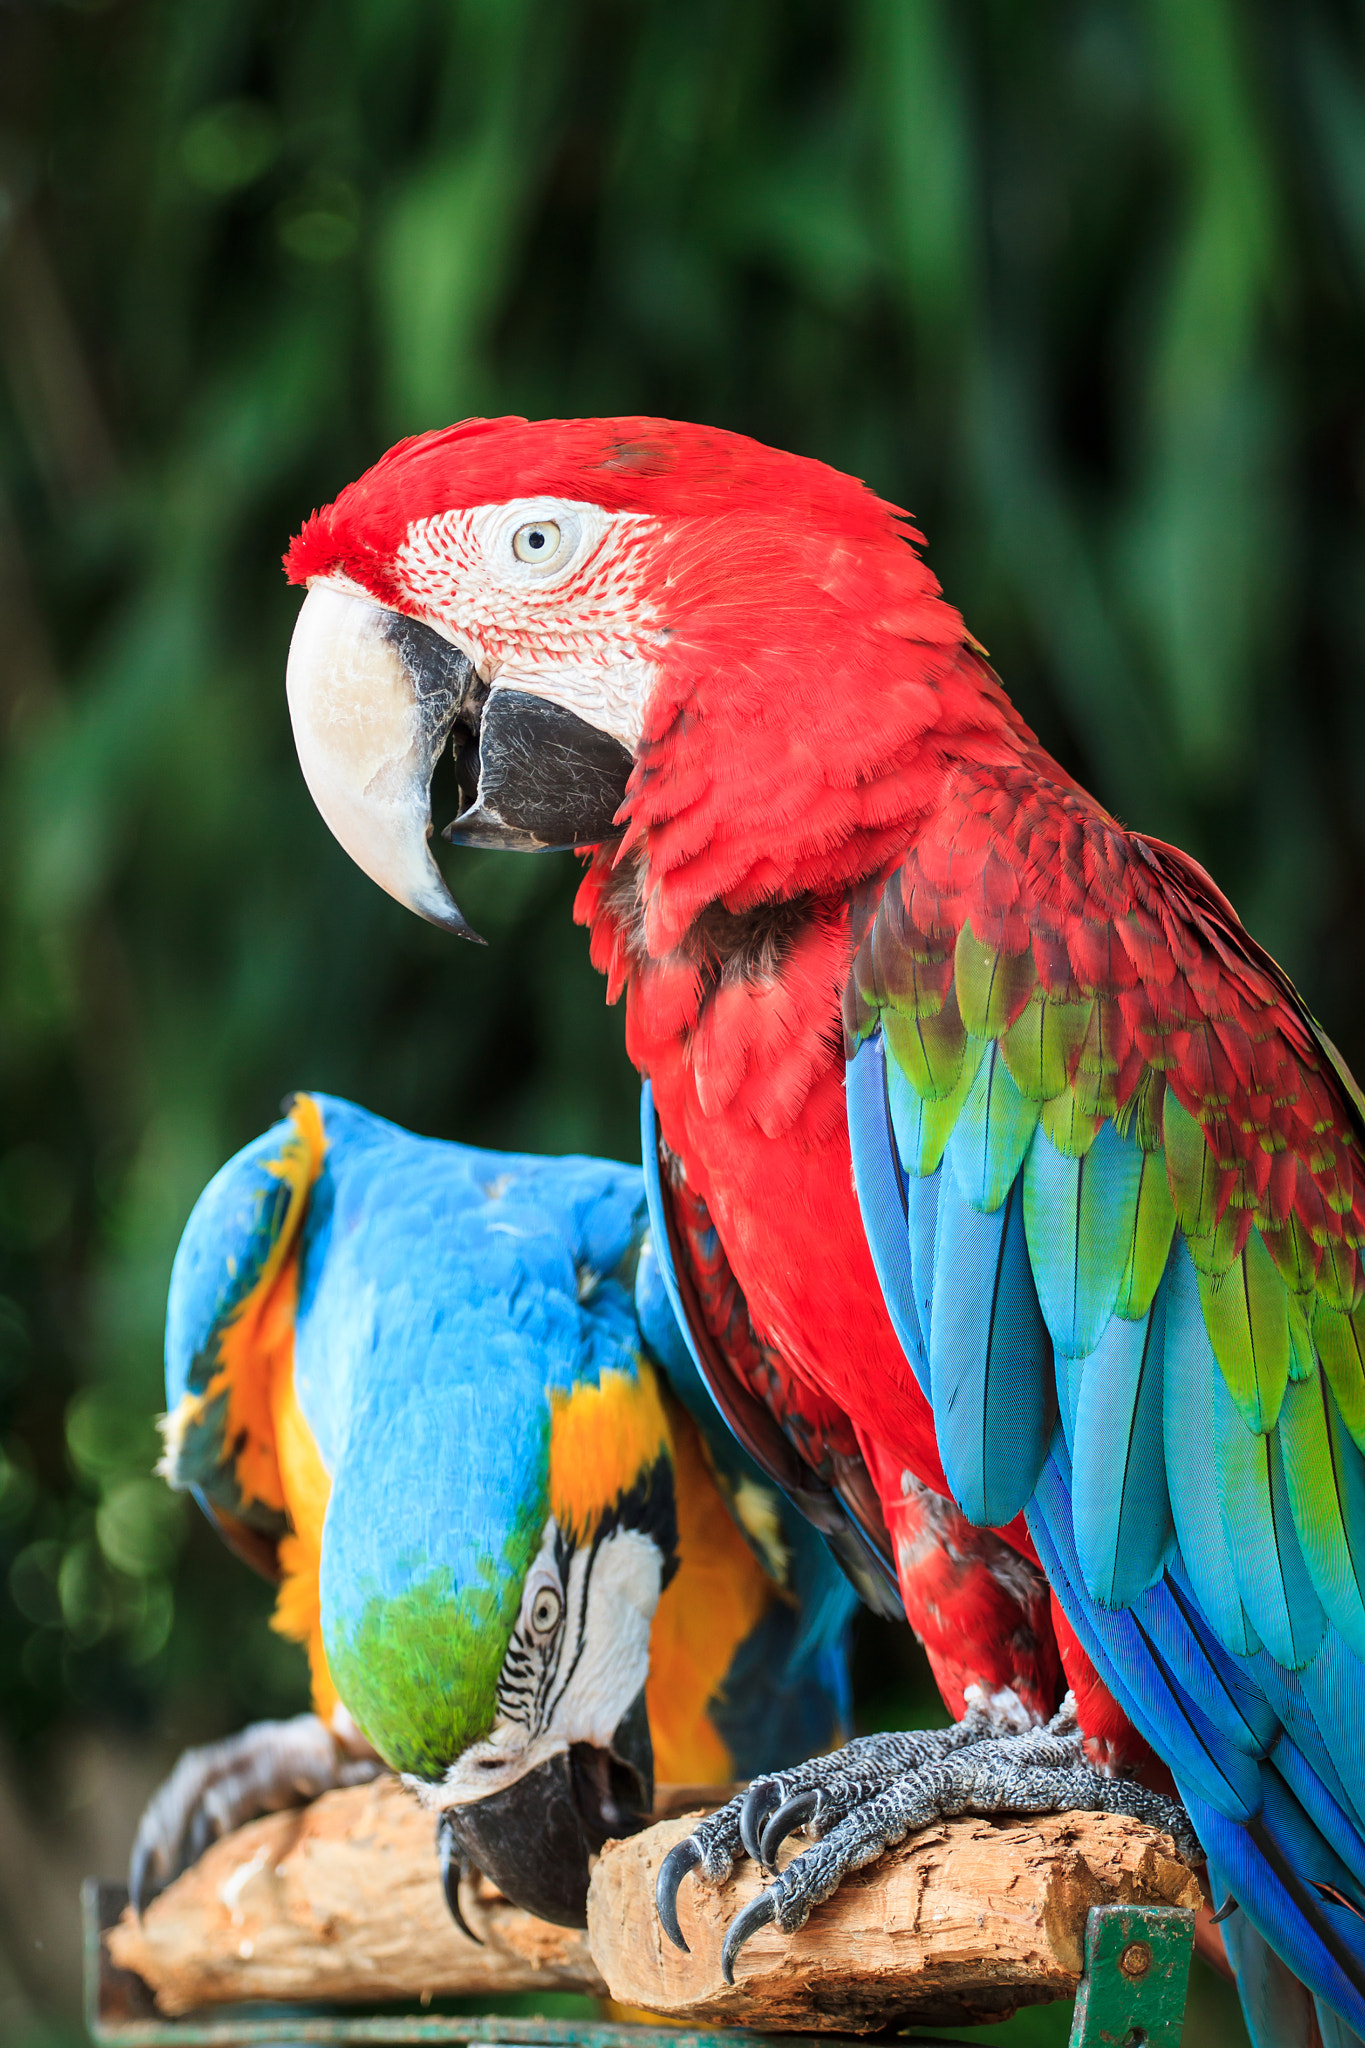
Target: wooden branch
964	1923
341	1901
338	1900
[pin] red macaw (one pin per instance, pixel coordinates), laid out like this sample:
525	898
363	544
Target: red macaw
1012	1196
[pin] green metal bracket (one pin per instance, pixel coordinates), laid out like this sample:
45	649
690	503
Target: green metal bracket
1137	1970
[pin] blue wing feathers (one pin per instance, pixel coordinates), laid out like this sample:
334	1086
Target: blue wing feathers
1228	1792
1320	1706
1120	1503
990	1362
1325	1476
1189	1372
991	1136
1070	1372
1052	1201
1277	2008
1216	1578
1253	1506
921	1219
882	1197
1302	1928
1079	1215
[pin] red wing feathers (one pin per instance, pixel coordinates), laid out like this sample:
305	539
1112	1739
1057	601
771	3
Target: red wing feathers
1162	991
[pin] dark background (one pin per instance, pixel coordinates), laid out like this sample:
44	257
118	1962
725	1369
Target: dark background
1081	285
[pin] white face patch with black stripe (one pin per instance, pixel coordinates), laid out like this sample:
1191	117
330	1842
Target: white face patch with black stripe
578	1658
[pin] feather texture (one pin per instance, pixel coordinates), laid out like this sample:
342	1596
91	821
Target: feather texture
882	1192
1189	1421
992	1134
1120	1503
1325	1476
990	1362
1081	1215
1266	1560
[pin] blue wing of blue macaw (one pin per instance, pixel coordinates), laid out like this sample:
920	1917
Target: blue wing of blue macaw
1206	1629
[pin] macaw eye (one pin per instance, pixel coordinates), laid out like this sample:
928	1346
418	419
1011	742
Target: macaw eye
537	541
546	1609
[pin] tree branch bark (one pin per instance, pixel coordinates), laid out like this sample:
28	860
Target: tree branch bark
341	1901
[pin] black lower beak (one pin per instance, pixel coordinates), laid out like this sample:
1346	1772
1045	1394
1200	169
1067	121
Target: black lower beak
540	776
536	1839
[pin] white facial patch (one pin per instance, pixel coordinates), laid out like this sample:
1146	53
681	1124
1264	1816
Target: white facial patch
545	595
579	1655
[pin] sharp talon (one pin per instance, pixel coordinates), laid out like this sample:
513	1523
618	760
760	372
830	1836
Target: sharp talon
1228	1906
756	1914
451	1872
759	1802
792	1814
681	1858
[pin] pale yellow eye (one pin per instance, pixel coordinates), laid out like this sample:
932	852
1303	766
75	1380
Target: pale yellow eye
536	542
546	1610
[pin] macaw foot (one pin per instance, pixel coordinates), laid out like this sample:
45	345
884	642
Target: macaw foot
868	1796
268	1766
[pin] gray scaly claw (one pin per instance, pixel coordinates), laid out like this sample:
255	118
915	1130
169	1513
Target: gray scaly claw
757	1803
270	1765
681	1858
796	1812
758	1820
746	1922
864	1799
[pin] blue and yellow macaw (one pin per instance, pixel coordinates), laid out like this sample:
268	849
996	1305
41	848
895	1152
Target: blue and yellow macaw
440	1394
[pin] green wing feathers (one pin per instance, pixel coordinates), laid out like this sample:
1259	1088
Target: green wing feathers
1063	1001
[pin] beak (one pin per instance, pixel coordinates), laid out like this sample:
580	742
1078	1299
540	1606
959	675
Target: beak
545	777
536	1839
374	698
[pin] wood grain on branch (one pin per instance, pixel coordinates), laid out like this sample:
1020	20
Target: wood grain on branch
338	1900
966	1922
342	1901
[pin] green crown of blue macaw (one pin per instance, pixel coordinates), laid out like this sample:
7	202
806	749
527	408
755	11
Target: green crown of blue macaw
445	1297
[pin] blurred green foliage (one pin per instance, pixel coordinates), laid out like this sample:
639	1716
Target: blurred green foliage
1082	284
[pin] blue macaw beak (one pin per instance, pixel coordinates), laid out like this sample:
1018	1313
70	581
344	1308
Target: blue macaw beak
535	1840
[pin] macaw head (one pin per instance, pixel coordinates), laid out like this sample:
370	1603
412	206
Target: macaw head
422	1364
599	618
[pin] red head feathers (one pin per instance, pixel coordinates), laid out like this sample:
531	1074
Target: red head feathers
695	578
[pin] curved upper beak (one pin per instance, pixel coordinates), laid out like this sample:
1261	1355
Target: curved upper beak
536	1839
374	698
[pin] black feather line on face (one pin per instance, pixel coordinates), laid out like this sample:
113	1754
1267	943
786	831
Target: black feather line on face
650	1507
647	1507
535	1675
